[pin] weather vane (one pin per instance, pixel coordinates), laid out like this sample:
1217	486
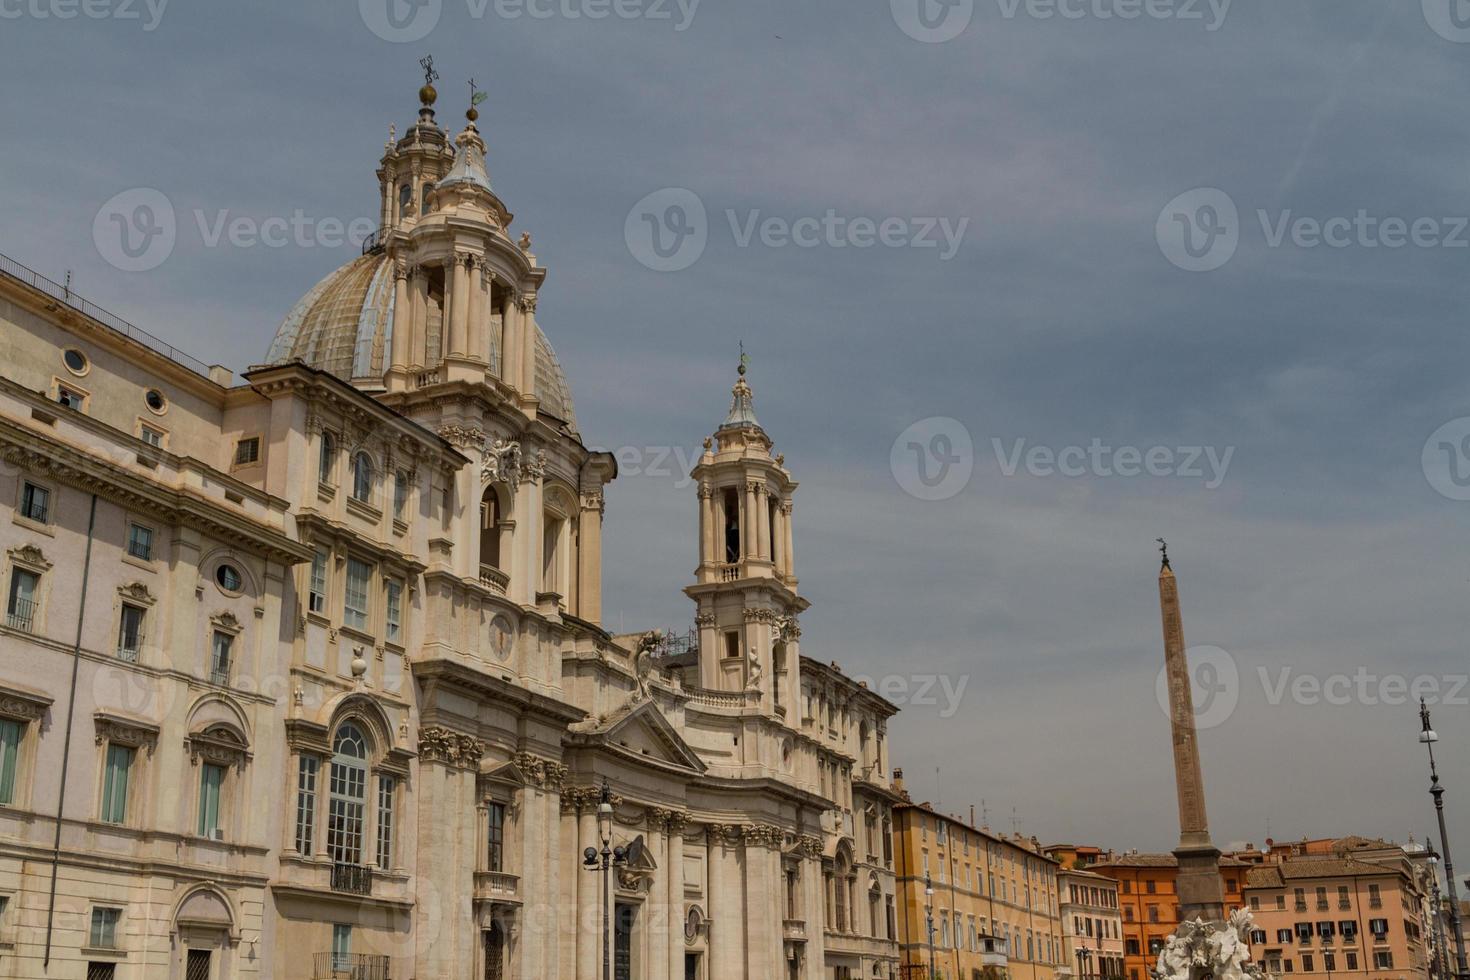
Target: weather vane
476	96
1164	550
744	358
427	64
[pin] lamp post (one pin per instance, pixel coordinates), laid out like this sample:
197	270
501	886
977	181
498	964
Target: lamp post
929	913
605	860
1084	961
1428	736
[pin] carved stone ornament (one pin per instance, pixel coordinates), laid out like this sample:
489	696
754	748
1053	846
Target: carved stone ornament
123	732
705	620
763	835
462	436
809	846
450	747
544	773
501	462
669	821
29	554
585	798
137	591
533	467
761	616
1219	950
218	746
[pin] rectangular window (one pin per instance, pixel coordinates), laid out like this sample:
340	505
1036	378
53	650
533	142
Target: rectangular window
70	398
115	783
393	625
219	665
1382	959
140	542
387	785
496	857
130	633
104	928
211	778
732	645
317	589
327	454
35	503
355	607
20	610
152	436
306	804
341	948
400	495
10	733
1352	961
247	451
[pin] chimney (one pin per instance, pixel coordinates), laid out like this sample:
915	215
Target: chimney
898	781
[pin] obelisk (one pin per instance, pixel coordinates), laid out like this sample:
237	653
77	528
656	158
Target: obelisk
1201	892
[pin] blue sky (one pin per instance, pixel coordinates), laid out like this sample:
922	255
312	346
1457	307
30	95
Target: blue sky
1076	152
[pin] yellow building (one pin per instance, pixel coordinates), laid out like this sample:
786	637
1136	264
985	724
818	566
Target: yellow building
991	901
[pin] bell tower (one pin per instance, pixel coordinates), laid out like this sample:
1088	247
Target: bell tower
745	584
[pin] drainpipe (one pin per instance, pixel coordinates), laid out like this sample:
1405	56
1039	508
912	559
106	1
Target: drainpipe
71	701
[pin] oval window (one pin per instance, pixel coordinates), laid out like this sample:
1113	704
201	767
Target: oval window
75	361
155	401
228	577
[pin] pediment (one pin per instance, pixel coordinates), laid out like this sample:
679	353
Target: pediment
646	733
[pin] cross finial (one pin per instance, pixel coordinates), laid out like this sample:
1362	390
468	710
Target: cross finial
1164	551
427	64
744	359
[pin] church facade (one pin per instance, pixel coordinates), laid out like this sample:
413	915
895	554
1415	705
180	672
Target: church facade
302	674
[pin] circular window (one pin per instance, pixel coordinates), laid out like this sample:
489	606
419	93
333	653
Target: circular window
155	401
228	577
76	362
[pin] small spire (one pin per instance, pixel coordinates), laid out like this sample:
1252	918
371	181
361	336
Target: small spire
742	406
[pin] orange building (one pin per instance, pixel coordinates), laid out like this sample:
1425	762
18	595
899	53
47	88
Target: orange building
1150	902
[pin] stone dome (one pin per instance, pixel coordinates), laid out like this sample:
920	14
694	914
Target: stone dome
344	326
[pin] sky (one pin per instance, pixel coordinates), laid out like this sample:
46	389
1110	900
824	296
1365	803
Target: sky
1024	284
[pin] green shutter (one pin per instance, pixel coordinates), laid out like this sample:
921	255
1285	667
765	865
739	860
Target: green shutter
115	784
9	748
210	780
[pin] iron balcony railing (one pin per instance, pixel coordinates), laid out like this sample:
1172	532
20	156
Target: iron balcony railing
349	966
22	614
356	879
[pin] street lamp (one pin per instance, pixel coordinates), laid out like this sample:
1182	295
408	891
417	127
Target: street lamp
1428	737
929	906
1084	961
609	857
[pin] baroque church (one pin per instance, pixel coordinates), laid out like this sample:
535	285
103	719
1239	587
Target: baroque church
304	675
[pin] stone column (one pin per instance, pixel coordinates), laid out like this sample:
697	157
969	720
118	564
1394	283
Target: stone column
728	913
553	918
402	318
528	345
589	907
706	520
419	293
459	306
475	345
674	883
763	521
589	557
749	531
510	341
788	556
762	886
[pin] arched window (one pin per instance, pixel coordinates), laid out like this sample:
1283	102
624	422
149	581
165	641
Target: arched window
324	460
405	199
424	204
490	527
362	477
347	802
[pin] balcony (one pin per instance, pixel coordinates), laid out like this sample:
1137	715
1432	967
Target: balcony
349	966
497	886
353	879
794	930
494	579
21	615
